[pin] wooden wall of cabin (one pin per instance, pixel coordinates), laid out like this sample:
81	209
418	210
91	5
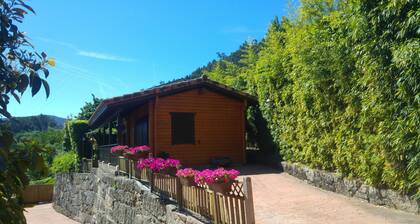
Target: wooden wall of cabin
219	126
131	120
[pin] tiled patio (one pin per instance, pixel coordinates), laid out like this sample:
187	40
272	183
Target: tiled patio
281	198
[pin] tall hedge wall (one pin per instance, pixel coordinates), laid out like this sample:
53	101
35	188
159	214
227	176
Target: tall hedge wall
74	138
339	87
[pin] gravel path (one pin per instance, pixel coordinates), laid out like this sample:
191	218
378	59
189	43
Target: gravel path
280	198
44	213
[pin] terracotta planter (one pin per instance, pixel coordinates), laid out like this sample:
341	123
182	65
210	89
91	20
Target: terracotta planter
130	156
137	156
222	188
170	171
187	181
118	153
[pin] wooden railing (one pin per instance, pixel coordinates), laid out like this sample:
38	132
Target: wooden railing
235	207
105	155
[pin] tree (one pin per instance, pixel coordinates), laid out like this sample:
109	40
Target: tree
20	68
89	108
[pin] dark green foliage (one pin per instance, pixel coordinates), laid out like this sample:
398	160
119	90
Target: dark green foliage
339	88
47	180
89	108
51	140
20	68
14	163
75	138
65	163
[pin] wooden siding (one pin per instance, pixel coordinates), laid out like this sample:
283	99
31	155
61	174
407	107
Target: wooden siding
132	119
219	126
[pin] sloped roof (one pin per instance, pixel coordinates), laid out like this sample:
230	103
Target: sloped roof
111	106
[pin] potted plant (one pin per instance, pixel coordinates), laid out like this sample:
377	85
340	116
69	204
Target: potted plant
119	149
170	166
137	152
144	164
186	176
159	165
219	180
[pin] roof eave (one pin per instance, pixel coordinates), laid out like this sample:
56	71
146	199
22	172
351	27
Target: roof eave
97	114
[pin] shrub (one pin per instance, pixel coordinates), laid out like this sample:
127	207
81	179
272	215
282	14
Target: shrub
65	163
75	138
47	180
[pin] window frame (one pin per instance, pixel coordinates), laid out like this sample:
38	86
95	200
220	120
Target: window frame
193	137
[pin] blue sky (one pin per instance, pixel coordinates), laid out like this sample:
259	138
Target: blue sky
110	48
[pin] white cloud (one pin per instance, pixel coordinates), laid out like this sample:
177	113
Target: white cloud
103	56
85	53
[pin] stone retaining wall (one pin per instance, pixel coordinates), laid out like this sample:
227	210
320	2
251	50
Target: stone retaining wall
102	197
353	188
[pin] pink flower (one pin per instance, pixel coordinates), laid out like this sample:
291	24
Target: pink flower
144	163
220	175
140	149
172	163
119	149
157	164
187	172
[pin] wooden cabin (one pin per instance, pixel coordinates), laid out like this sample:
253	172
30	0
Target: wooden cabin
194	120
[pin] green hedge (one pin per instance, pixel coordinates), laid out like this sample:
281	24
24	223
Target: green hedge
75	138
339	87
65	163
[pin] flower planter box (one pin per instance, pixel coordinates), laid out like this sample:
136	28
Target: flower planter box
136	156
187	181
169	171
222	188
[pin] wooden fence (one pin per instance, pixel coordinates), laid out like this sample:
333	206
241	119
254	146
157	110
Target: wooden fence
38	193
235	207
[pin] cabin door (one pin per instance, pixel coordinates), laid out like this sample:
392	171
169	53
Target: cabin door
142	132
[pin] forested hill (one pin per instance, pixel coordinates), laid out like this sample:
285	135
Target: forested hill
33	123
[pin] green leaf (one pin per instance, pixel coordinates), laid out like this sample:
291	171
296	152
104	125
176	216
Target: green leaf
46	87
26	6
46	72
23	83
35	84
16	97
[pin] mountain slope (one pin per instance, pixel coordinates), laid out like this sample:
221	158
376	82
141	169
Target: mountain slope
33	123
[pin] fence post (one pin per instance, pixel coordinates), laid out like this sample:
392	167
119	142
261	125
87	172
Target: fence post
215	207
179	196
249	201
130	175
152	180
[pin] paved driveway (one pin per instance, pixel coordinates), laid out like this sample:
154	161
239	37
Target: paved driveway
44	213
281	198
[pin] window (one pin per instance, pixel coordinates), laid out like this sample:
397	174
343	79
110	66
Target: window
183	128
